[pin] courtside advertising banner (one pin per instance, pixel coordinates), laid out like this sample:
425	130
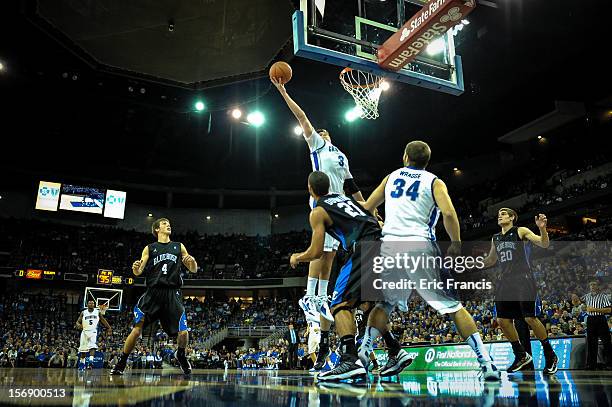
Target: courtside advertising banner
461	357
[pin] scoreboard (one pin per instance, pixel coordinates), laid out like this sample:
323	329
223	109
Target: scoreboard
104	277
36	274
107	277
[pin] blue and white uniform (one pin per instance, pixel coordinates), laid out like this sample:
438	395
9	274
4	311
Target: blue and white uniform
329	159
89	322
314	336
411	214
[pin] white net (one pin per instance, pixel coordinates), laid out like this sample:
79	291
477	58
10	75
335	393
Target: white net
365	89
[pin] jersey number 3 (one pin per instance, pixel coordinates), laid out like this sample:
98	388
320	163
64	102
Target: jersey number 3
165	268
412	191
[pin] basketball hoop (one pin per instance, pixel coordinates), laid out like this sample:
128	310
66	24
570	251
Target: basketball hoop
365	89
103	307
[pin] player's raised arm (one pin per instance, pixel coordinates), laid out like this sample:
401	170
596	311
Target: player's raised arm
377	197
104	322
188	260
542	240
491	258
79	323
295	109
315	250
350	186
139	265
449	215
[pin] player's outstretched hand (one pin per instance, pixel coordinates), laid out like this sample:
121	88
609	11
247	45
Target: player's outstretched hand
454	249
278	84
540	221
293	260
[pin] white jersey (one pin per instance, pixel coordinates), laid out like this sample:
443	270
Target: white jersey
90	320
329	159
411	212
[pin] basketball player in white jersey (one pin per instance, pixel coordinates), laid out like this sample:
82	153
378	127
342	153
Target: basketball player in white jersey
88	324
313	331
414	199
329	159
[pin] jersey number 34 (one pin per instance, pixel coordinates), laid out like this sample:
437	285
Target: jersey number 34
412	191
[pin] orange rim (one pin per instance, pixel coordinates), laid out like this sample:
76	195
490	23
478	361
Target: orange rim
370	85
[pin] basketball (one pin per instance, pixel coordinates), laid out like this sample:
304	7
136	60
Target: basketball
281	70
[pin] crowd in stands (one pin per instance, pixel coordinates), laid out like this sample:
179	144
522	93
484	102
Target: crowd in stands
38	329
85	249
474	215
545	181
269	311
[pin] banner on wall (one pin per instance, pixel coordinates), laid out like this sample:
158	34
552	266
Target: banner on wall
461	357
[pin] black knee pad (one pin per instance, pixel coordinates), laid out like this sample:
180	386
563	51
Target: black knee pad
341	308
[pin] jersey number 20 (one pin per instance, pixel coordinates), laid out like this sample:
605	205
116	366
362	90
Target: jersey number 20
412	191
505	256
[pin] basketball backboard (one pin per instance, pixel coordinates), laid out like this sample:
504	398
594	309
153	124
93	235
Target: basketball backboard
350	33
110	297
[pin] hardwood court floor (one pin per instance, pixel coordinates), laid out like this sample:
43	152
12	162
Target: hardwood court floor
253	388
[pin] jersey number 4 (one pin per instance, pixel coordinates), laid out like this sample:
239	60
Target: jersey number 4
165	268
412	191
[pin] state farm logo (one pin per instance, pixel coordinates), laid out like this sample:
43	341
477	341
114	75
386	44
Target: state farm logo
405	34
430	355
452	15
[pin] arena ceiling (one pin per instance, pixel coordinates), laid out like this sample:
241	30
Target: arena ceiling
186	43
102	90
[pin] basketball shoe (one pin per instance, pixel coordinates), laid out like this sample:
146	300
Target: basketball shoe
396	364
323	308
308	304
350	367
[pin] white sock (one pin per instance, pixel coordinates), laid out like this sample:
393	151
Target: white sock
370	335
475	342
311	286
323	287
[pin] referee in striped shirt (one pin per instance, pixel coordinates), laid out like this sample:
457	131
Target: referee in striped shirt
598	305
